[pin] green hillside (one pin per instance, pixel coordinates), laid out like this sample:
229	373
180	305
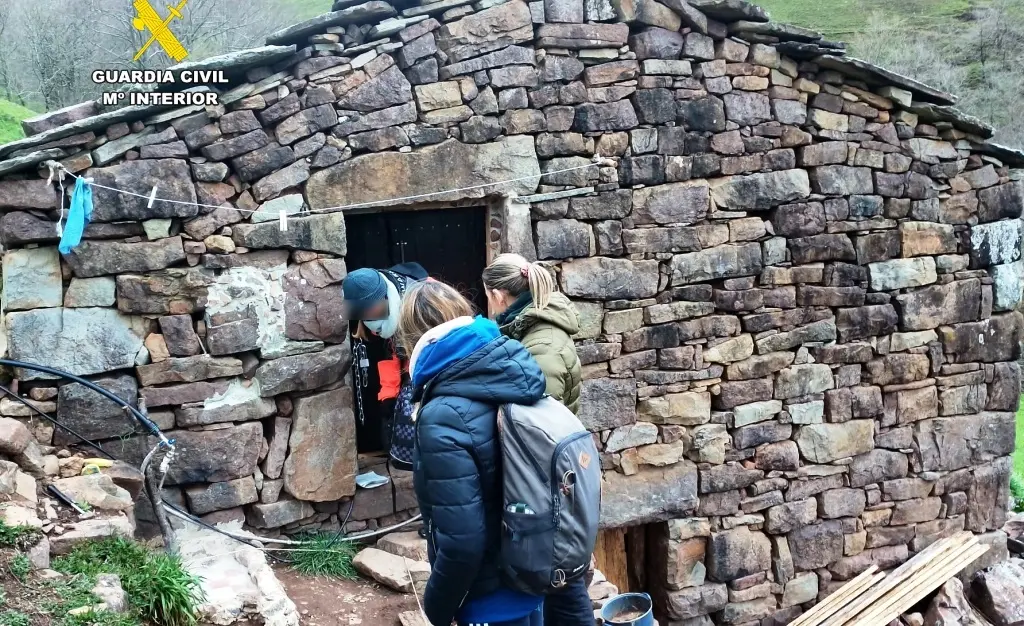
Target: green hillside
310	8
841	19
10	120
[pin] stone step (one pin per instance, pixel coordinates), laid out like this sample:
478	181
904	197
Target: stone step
392	571
412	618
409	545
91	530
98	491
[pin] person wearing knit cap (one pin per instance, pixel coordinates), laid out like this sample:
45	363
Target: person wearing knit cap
373	298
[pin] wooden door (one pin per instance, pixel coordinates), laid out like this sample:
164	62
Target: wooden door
610	554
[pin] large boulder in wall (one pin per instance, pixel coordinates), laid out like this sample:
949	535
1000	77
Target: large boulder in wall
314	471
172	178
79	341
384	178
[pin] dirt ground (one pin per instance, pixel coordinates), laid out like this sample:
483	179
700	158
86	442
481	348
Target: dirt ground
332	602
27	597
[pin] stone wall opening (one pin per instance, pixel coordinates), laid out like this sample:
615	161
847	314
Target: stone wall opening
450	243
630	557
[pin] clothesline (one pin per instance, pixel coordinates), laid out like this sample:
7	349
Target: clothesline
152	196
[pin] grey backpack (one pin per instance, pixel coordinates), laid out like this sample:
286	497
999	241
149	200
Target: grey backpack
552	496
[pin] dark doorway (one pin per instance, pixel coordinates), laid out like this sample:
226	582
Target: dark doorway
451	244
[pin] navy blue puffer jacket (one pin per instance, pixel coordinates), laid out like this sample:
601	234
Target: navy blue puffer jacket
458	459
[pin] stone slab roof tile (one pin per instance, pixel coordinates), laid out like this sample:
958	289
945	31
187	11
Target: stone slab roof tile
784	32
881	77
932	113
237	60
1009	156
434	7
28	160
394	25
731	10
344	4
803	51
230	63
97	122
357	14
53	119
835	45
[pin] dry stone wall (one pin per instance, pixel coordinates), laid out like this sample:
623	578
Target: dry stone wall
797	275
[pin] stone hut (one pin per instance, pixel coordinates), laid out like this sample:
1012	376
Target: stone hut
797	275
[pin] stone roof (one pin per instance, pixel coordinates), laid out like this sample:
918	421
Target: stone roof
378	21
880	77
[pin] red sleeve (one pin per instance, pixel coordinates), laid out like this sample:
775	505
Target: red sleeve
390	372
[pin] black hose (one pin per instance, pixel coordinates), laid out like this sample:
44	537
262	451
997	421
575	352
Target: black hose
149	481
348	516
151	486
94	446
154	497
138	415
200	522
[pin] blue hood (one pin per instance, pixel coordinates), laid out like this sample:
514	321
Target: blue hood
478	363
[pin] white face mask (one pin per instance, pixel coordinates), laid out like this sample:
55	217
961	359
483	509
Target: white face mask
386	327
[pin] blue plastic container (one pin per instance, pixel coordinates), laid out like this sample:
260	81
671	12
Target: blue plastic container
622	609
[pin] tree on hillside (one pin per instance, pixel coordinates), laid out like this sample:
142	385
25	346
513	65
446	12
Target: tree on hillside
10	88
52	48
981	61
207	27
49	48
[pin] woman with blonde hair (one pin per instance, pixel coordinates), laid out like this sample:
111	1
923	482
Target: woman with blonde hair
462	370
523	301
522	298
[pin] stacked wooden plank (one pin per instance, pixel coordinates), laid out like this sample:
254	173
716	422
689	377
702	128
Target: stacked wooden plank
875	598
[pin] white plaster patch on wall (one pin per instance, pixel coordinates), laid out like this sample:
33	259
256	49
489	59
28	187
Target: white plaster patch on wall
1004	240
3	331
238	392
258	292
1008	285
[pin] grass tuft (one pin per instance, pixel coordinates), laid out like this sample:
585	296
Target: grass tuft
20	537
159	589
322	554
14	618
11	115
1017	492
20	567
168	595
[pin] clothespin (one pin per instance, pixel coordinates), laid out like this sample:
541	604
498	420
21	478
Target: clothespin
152	198
57	169
283	220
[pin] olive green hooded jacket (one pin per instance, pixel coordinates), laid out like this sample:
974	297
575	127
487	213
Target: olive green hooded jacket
547	335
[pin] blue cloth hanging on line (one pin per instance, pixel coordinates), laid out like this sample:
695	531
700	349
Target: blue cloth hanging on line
78	216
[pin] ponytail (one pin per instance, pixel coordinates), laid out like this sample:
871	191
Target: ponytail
542	285
516	275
